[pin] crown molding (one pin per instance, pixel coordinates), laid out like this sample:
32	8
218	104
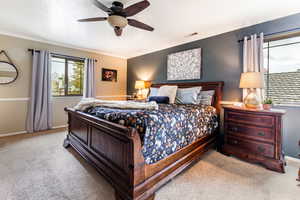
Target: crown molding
62	45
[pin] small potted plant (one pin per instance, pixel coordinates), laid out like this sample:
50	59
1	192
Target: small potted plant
267	104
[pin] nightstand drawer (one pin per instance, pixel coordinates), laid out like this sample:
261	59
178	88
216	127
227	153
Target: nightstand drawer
266	121
249	131
263	149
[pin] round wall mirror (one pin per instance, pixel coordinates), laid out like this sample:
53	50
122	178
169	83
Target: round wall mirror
8	72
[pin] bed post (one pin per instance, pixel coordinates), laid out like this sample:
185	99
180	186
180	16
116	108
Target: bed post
66	143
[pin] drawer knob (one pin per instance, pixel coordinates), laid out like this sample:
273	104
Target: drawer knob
261	149
261	134
235	142
234	128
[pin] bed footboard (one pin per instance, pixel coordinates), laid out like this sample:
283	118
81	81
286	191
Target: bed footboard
112	149
116	152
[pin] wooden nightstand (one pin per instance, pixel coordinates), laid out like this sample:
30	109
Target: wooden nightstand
254	136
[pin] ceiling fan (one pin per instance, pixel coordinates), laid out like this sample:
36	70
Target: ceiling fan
117	15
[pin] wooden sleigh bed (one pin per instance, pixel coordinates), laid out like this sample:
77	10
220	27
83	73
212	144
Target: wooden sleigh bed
116	151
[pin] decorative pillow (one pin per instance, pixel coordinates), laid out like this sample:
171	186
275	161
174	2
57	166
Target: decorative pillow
188	95
169	91
153	91
206	97
160	99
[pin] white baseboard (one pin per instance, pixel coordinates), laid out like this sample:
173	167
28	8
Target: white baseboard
13	133
24	132
292	159
62	126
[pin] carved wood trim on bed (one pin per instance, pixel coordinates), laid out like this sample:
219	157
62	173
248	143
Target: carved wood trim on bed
115	151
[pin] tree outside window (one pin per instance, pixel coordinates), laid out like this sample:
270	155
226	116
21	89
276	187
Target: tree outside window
67	77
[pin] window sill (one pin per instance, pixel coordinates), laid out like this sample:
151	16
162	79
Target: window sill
287	105
67	98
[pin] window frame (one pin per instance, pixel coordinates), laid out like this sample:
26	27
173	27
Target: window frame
268	47
66	58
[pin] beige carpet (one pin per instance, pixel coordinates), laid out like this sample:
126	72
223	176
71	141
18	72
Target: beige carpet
39	168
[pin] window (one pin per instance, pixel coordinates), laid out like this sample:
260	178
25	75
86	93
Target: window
282	70
67	76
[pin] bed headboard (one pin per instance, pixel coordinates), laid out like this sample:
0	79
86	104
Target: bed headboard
216	86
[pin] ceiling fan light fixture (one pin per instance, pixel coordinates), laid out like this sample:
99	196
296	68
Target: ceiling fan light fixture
117	15
117	21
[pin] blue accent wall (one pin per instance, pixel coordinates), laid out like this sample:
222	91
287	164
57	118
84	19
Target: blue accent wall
222	61
221	57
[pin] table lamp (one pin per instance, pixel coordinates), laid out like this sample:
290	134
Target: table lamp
252	81
140	85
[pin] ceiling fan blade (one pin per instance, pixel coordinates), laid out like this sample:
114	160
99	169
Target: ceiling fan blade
118	31
101	6
95	19
137	24
136	8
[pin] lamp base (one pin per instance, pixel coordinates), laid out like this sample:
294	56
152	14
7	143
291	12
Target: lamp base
139	94
252	101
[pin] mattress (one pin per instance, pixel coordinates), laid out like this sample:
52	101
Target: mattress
166	130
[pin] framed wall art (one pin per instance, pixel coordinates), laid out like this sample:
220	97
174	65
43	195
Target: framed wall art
184	65
109	75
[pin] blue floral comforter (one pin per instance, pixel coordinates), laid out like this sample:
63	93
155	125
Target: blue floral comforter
166	130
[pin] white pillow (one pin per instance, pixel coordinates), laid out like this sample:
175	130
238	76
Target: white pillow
153	91
188	95
168	91
206	97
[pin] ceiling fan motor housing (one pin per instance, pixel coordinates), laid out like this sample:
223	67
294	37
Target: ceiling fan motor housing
117	9
118	4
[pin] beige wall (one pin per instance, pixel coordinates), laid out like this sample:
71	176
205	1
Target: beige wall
13	110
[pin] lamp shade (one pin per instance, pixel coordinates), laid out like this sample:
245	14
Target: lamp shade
252	80
140	85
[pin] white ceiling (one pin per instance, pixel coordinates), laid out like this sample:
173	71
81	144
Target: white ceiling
54	21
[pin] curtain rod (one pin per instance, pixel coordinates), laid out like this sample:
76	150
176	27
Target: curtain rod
275	33
60	55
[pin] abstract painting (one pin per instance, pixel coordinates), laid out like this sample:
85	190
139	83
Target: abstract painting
185	65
